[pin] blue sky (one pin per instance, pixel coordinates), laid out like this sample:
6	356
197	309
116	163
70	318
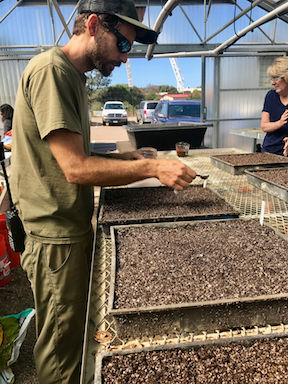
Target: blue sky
159	72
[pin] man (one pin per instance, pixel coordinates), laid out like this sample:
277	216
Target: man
53	174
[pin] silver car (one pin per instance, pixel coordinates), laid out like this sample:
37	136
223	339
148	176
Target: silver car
145	111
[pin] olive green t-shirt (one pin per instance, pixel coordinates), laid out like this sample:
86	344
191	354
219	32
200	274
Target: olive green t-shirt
51	96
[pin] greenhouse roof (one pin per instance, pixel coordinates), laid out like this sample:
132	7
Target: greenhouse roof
189	28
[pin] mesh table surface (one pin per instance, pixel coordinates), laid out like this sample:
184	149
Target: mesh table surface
235	190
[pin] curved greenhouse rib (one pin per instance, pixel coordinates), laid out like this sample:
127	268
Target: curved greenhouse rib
222	47
165	12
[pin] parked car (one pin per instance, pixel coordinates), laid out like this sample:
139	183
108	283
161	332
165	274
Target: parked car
114	112
145	111
174	111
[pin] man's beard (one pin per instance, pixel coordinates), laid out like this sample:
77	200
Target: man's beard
96	57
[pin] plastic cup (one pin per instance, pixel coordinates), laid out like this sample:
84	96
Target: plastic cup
182	148
148	152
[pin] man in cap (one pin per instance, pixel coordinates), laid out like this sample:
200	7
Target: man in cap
53	174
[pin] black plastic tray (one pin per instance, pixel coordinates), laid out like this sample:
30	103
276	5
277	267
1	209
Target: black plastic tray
195	345
164	136
132	194
194	317
240	169
267	186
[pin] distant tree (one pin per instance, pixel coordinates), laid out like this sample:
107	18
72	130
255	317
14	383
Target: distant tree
95	82
100	96
195	95
152	88
164	88
137	95
152	96
167	88
120	92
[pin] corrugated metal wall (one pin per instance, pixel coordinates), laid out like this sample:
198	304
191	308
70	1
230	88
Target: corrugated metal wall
10	73
239	87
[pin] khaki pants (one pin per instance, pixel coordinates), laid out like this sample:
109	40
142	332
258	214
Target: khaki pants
59	277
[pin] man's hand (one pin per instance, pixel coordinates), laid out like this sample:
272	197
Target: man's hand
133	155
174	174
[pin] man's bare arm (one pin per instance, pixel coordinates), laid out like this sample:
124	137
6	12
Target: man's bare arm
67	148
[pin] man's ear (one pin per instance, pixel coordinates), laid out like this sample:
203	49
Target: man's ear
93	24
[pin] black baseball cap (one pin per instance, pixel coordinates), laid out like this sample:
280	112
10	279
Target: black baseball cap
125	10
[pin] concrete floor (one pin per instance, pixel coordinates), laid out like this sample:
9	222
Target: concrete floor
107	133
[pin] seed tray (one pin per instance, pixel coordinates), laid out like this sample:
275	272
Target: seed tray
160	204
235	357
197	316
268	186
261	161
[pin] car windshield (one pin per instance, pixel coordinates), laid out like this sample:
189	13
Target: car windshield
192	110
114	106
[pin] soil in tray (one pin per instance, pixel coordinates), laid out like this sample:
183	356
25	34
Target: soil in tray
193	263
263	361
277	176
252	159
120	205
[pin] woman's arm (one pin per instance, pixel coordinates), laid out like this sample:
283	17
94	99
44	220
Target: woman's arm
268	126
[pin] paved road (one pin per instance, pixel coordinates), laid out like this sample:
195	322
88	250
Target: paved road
107	133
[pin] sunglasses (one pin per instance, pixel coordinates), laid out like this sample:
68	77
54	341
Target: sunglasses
123	44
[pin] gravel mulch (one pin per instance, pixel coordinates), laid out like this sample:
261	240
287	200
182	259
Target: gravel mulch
208	261
123	204
277	176
265	361
252	159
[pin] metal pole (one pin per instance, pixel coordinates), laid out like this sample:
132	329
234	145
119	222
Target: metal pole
216	102
11	10
203	85
57	8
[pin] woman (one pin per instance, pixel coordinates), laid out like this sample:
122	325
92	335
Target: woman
6	112
275	113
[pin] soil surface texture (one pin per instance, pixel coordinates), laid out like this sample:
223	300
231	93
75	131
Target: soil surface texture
277	176
192	263
265	361
252	159
122	205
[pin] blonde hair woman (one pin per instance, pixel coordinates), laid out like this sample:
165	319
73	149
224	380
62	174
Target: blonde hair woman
275	113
